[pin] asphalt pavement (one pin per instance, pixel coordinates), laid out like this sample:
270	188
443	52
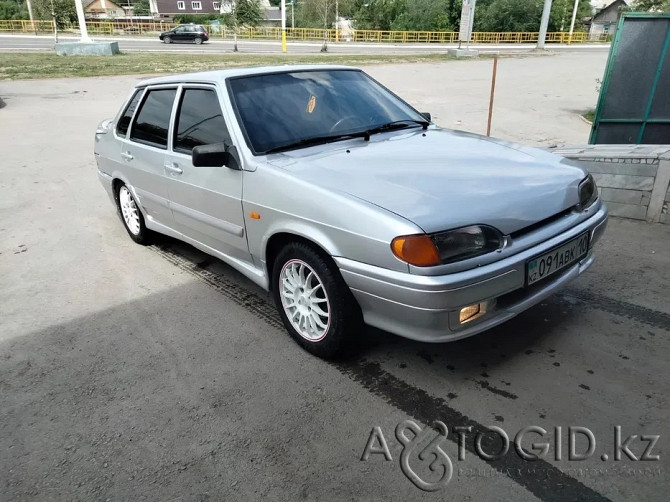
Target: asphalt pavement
152	44
159	373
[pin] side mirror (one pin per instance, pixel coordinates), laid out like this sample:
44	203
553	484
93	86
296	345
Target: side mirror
215	155
426	115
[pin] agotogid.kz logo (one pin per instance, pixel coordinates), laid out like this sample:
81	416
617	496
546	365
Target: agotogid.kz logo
426	464
440	466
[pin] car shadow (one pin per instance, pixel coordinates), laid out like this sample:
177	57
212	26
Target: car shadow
517	337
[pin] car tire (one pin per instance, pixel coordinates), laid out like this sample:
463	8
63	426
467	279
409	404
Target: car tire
131	216
167	40
197	40
323	321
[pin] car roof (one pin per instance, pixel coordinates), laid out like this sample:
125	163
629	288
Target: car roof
221	75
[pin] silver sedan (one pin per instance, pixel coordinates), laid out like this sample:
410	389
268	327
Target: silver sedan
350	206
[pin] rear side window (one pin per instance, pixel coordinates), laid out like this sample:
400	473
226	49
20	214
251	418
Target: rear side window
153	120
124	121
199	120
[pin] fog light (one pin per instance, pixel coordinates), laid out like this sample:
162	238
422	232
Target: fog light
468	313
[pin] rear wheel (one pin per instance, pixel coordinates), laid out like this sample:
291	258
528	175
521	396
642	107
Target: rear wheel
167	40
131	215
198	41
314	302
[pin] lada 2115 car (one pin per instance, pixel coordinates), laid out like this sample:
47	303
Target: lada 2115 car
351	207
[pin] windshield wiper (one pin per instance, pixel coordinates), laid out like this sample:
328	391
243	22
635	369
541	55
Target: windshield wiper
317	140
398	124
329	138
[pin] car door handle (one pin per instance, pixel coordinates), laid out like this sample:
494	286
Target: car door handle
173	168
127	155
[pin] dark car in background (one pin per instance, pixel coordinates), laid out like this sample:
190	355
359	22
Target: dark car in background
185	33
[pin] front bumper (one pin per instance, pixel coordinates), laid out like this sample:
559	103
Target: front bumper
426	308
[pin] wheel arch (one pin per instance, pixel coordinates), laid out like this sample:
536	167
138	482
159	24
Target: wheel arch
117	181
277	241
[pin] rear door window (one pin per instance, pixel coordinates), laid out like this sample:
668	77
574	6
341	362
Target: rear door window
199	120
153	119
124	121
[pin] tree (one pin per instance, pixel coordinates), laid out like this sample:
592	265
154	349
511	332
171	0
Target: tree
245	13
313	13
248	12
64	10
378	14
561	14
652	5
13	10
525	15
141	8
509	15
425	15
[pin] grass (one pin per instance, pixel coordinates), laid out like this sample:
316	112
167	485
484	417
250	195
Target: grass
19	66
589	114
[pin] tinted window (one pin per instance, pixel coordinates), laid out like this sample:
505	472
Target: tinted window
199	121
124	121
283	108
153	120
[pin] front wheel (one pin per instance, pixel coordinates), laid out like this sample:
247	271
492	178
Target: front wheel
314	302
167	40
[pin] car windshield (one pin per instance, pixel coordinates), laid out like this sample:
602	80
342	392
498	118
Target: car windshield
281	111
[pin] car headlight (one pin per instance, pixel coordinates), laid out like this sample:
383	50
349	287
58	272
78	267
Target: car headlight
588	192
447	247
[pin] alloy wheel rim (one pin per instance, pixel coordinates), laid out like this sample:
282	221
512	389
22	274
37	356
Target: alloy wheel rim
129	211
304	300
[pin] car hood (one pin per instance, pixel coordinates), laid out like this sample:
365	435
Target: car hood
441	179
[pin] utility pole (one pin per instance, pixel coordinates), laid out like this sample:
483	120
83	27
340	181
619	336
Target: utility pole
337	20
53	17
235	27
544	23
30	15
572	23
326	9
82	23
293	15
283	25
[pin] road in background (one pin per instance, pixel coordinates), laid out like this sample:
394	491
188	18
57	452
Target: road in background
46	43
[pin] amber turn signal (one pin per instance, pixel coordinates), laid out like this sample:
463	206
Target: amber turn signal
416	250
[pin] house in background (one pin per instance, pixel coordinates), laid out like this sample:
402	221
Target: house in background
604	21
273	15
101	10
171	8
167	9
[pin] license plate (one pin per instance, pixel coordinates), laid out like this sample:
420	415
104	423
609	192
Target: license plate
557	259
